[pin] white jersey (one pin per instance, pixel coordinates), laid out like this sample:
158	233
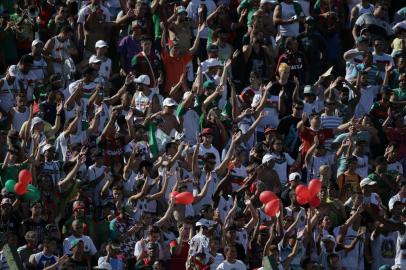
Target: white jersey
288	11
19	118
400	259
60	51
7	95
40	68
383	250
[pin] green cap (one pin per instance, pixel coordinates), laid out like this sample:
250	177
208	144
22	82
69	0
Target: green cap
74	243
209	85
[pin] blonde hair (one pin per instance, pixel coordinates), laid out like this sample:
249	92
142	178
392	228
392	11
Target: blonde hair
283	67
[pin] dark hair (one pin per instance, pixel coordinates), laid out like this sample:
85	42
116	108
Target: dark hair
298	102
169	145
153	229
208	156
380	160
88	70
289	41
144	164
228	247
67	29
27	59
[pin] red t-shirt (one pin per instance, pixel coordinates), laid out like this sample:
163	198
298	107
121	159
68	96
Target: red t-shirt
174	68
179	261
307	137
397	136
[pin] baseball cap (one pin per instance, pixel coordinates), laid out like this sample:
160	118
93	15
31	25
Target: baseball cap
143	79
186	95
35	42
127	210
328	238
266	158
47	147
213	62
6	201
203	222
309	19
36	120
209	84
94	60
12	71
136	23
169	102
181	9
361	39
207	131
269	130
294	176
74	243
367	182
103	265
78	205
212	48
101	44
308	90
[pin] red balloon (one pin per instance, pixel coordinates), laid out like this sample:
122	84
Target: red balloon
173	194
315	201
20	189
272	208
267	196
25	177
184	198
314	187
301	200
303	192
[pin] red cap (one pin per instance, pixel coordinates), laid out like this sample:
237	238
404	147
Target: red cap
263	228
207	131
270	130
78	205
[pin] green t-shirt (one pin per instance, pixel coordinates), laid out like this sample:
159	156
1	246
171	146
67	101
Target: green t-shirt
400	94
385	191
9	45
247	4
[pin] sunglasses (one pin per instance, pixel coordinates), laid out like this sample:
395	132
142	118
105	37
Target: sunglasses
299	108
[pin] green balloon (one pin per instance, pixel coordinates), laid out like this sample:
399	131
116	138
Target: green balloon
10	185
32	194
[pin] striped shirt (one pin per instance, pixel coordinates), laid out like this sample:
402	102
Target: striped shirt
330	122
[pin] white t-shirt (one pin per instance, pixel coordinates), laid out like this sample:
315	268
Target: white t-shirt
238	265
203	150
190	125
400	259
85	11
352	63
362	166
207	199
289	30
87	241
395	167
282	161
368	94
219	258
314	164
353	259
384	250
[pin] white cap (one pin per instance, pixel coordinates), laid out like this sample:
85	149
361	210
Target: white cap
328	237
267	158
401	25
143	79
94	60
169	102
36	120
103	265
12	71
47	147
268	1
367	182
35	42
213	62
101	44
181	9
186	95
205	222
293	176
